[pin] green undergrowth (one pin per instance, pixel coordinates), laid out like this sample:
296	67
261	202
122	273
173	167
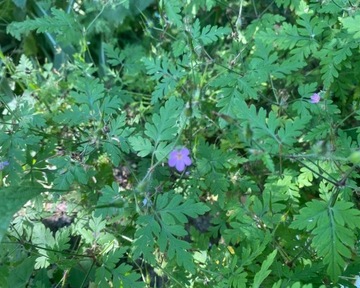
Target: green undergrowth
95	95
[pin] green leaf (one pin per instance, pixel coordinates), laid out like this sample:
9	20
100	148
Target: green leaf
268	162
293	129
266	63
286	38
61	23
255	247
16	197
110	105
218	184
89	91
351	24
164	124
67	172
306	90
238	278
119	132
101	275
42	236
62	239
42	261
333	231
173	10
20	3
110	201
132	53
141	145
73	116
112	149
24	68
179	47
292	4
163	150
183	257
329	72
306	177
226	102
114	55
233	87
124	276
165	73
172	207
117	139
145	236
20	275
264	271
96	225
261	126
209	34
294	285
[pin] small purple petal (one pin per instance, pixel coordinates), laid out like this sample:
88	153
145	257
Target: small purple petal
179	159
172	162
185	151
315	98
187	161
145	201
173	154
4	164
180	166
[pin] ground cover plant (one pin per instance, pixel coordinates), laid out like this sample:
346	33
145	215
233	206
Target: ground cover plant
179	143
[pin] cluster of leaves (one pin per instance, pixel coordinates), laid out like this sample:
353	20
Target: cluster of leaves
95	95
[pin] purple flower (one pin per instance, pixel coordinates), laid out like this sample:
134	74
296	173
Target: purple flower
3	164
179	159
315	98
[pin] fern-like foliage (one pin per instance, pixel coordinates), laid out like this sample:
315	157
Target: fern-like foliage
166	74
111	272
351	25
332	230
160	132
232	88
211	167
265	64
163	228
288	3
110	201
173	10
16	196
299	39
264	155
208	34
88	95
60	23
114	55
269	128
24	70
332	57
116	142
68	173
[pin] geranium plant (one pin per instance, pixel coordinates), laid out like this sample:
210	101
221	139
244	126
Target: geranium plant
179	143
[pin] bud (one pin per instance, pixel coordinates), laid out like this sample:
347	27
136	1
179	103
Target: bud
355	157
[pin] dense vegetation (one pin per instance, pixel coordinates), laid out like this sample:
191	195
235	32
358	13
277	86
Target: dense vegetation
174	143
